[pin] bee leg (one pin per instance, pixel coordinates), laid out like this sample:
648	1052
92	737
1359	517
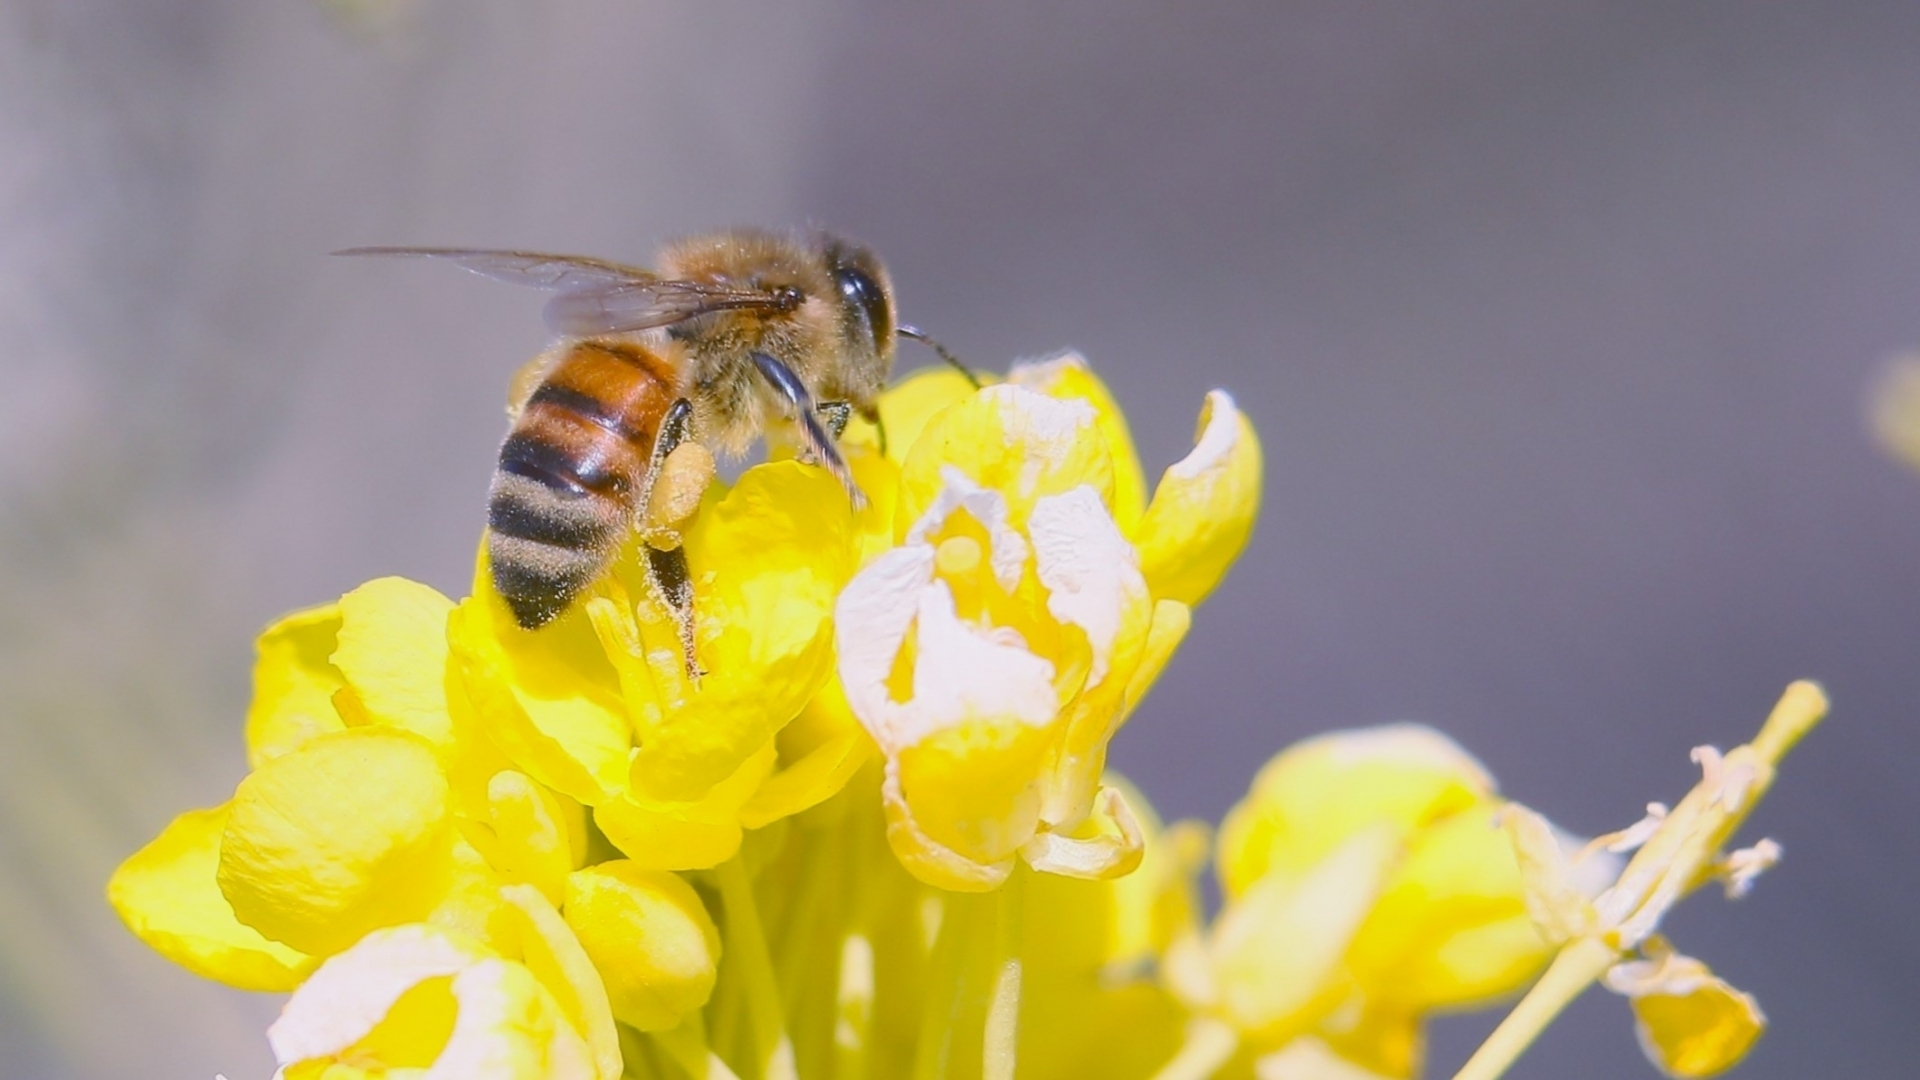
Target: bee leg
837	414
680	471
818	441
879	427
673	585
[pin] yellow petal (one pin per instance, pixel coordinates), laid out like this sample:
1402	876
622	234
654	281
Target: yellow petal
426	1004
1315	794
1690	1022
909	405
293	683
1171	620
1451	928
1700	1030
818	754
1277	948
353	994
1108	843
1113	928
767	562
348	833
1093	586
551	952
650	938
665	834
472	905
392	652
1020	443
974	784
529	838
1068	377
1202	513
927	858
879	480
548	699
510	1027
166	894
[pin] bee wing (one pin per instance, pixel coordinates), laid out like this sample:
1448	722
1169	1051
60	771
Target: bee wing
564	273
642	305
595	296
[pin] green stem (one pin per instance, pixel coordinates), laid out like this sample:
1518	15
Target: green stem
1572	971
810	945
944	981
1001	1038
773	1053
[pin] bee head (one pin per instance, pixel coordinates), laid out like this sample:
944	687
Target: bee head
864	297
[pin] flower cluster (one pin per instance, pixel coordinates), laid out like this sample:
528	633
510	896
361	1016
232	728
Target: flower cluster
874	835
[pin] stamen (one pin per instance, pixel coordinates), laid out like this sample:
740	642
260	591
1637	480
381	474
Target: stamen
957	556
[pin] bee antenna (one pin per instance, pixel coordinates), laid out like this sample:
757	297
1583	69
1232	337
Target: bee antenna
915	334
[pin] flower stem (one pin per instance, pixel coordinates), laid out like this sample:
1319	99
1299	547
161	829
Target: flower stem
1575	968
772	1049
1002	1035
945	982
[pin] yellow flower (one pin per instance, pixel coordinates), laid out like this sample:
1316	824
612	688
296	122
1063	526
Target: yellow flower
348	822
475	851
599	708
1366	886
167	894
420	1001
995	650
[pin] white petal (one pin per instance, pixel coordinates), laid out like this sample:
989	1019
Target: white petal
342	1001
1007	549
871	620
1215	445
488	1039
960	673
1091	572
1046	426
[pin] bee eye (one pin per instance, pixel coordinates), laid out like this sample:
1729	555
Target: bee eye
864	295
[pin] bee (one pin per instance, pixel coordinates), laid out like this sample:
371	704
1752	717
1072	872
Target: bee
615	427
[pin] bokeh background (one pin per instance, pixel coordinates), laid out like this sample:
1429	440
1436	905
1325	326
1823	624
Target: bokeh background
1556	320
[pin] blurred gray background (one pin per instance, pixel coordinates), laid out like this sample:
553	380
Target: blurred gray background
1555	319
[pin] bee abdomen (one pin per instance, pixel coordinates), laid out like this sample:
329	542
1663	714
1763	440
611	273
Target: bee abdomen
552	527
569	473
546	545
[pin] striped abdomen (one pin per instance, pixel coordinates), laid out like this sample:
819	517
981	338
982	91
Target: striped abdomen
570	472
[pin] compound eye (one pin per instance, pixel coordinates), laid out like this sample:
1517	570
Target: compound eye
864	295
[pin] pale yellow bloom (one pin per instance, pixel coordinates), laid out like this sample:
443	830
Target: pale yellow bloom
1893	409
598	706
874	835
995	650
1366	886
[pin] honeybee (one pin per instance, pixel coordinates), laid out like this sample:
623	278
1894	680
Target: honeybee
615	427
